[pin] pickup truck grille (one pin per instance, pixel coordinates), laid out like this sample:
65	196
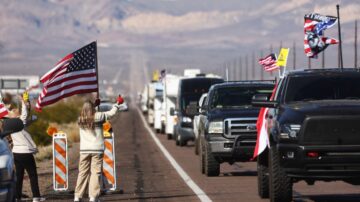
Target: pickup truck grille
331	130
244	127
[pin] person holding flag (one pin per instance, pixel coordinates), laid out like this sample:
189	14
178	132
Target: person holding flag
92	148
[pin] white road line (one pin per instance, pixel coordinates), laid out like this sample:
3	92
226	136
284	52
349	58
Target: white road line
194	187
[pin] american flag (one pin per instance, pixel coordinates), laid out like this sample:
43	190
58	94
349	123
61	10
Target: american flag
74	74
269	63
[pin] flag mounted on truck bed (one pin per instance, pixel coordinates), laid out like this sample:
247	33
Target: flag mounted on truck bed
75	74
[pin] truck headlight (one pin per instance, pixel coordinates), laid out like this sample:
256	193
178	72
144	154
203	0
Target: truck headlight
290	131
216	127
186	119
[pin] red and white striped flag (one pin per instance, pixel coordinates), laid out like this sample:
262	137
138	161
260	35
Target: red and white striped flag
262	141
269	63
74	74
3	110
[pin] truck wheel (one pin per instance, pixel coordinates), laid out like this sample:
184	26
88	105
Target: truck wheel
181	141
263	175
169	136
212	167
202	158
196	146
176	139
280	184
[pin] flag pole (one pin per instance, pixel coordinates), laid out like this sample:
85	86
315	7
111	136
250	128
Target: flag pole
97	72
339	32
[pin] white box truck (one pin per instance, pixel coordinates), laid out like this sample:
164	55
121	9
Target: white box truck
155	104
171	91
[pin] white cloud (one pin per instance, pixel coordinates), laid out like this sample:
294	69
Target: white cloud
153	23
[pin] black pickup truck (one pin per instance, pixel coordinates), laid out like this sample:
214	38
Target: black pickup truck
314	131
227	129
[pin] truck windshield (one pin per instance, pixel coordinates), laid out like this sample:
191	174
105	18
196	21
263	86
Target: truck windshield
312	88
233	97
192	90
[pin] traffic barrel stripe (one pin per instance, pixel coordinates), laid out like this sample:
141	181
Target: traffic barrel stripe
109	177
108	146
60	149
60	176
60	165
59	179
108	161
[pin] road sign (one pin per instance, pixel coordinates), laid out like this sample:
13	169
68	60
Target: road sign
60	162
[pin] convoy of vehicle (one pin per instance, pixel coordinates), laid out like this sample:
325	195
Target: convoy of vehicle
312	121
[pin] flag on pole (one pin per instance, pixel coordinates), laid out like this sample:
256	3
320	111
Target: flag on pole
262	140
283	56
269	63
75	74
314	26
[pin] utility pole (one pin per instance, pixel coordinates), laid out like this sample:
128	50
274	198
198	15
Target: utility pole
253	65
240	68
294	55
323	59
271	51
355	46
309	63
246	68
340	41
235	70
261	70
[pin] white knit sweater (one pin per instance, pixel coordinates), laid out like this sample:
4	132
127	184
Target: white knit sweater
92	141
23	143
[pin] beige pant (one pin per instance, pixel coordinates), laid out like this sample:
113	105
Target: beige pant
90	169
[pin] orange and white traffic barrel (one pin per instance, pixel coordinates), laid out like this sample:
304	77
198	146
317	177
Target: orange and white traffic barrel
109	166
60	162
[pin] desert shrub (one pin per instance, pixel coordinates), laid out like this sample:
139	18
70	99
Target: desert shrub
62	113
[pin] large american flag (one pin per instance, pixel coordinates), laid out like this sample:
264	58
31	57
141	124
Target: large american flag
74	74
269	63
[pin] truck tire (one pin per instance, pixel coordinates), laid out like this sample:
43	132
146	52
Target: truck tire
182	142
169	136
263	174
280	185
176	139
202	158
212	166
196	146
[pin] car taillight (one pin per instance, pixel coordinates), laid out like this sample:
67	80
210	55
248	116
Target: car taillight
313	154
